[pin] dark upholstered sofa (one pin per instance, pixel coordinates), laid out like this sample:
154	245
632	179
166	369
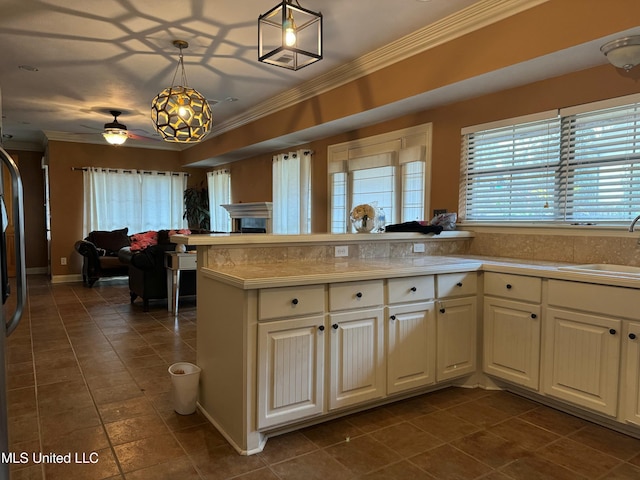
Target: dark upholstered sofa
147	272
100	251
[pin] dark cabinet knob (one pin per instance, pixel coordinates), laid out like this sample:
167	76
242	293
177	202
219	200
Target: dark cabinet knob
442	310
359	294
612	331
533	315
459	284
509	287
294	301
413	289
632	336
321	328
392	317
334	326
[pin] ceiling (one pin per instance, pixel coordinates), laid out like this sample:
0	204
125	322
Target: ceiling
66	63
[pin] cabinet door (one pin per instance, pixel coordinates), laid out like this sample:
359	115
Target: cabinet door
512	341
356	357
411	347
456	346
290	370
631	385
582	355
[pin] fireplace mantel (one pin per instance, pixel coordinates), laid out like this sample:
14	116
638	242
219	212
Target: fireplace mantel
244	215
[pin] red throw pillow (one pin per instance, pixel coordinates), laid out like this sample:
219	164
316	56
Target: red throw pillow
140	241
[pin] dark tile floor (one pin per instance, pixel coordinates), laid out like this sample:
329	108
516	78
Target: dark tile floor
88	376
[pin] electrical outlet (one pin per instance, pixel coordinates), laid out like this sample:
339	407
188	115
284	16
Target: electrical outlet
418	248
342	251
63	260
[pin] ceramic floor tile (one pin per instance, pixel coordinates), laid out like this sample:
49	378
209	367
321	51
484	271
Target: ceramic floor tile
363	454
579	458
450	463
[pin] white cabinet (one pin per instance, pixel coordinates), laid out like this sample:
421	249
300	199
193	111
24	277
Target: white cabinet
411	347
356	358
582	341
511	328
631	379
456	325
582	353
290	370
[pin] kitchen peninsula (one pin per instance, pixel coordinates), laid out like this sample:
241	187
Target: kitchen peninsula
290	334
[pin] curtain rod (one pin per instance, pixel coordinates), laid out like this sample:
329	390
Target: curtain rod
84	169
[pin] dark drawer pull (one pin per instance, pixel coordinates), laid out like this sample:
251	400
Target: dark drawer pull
294	301
392	317
359	294
459	284
612	331
509	287
632	336
533	315
334	326
413	289
442	310
321	328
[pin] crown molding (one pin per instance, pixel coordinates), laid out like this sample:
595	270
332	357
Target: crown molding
474	17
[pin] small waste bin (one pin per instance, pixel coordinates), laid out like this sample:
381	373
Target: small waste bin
184	386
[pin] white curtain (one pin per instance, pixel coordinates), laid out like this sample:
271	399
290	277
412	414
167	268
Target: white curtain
219	186
292	192
142	201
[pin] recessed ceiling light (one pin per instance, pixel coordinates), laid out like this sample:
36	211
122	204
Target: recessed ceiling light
28	68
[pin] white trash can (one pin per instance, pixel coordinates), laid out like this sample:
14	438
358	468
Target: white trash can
184	386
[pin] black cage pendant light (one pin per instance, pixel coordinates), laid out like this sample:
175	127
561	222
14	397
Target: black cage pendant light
179	113
290	36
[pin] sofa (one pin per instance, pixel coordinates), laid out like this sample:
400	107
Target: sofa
100	255
145	259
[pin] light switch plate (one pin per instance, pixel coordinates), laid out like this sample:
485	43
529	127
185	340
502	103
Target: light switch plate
418	248
342	251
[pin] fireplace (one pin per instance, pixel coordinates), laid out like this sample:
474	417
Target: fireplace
250	217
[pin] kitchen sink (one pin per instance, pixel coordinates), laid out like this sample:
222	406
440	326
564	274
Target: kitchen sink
605	269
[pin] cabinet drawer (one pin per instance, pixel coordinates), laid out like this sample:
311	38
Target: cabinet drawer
457	284
516	287
290	301
411	289
344	296
603	299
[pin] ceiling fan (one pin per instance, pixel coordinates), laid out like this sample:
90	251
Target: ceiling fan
115	133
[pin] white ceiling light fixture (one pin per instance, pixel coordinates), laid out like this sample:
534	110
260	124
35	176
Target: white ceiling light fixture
624	52
179	113
290	36
115	133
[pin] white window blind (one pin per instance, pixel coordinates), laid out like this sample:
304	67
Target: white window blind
581	167
600	177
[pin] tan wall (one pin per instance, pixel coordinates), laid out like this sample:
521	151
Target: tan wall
29	164
67	190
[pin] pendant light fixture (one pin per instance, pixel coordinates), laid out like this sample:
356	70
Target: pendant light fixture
290	36
179	113
115	133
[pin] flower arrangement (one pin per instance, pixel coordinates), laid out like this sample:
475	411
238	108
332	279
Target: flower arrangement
363	218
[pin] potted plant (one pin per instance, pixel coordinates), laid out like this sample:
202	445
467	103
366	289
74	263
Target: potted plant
196	207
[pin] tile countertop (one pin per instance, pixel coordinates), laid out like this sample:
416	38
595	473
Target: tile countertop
252	276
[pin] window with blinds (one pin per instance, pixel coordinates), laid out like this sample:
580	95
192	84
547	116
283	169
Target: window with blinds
579	166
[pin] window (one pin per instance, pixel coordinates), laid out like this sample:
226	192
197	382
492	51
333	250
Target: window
579	166
219	186
138	200
388	171
292	192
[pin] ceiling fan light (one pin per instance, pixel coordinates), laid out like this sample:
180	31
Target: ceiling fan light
115	136
624	52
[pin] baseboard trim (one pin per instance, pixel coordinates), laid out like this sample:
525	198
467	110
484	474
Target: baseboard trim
66	278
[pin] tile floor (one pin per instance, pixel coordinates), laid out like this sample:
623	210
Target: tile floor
88	375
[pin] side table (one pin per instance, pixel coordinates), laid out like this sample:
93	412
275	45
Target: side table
175	262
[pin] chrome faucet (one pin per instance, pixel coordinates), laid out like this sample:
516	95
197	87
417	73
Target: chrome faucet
633	223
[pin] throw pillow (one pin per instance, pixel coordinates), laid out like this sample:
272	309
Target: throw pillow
140	241
111	241
163	235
